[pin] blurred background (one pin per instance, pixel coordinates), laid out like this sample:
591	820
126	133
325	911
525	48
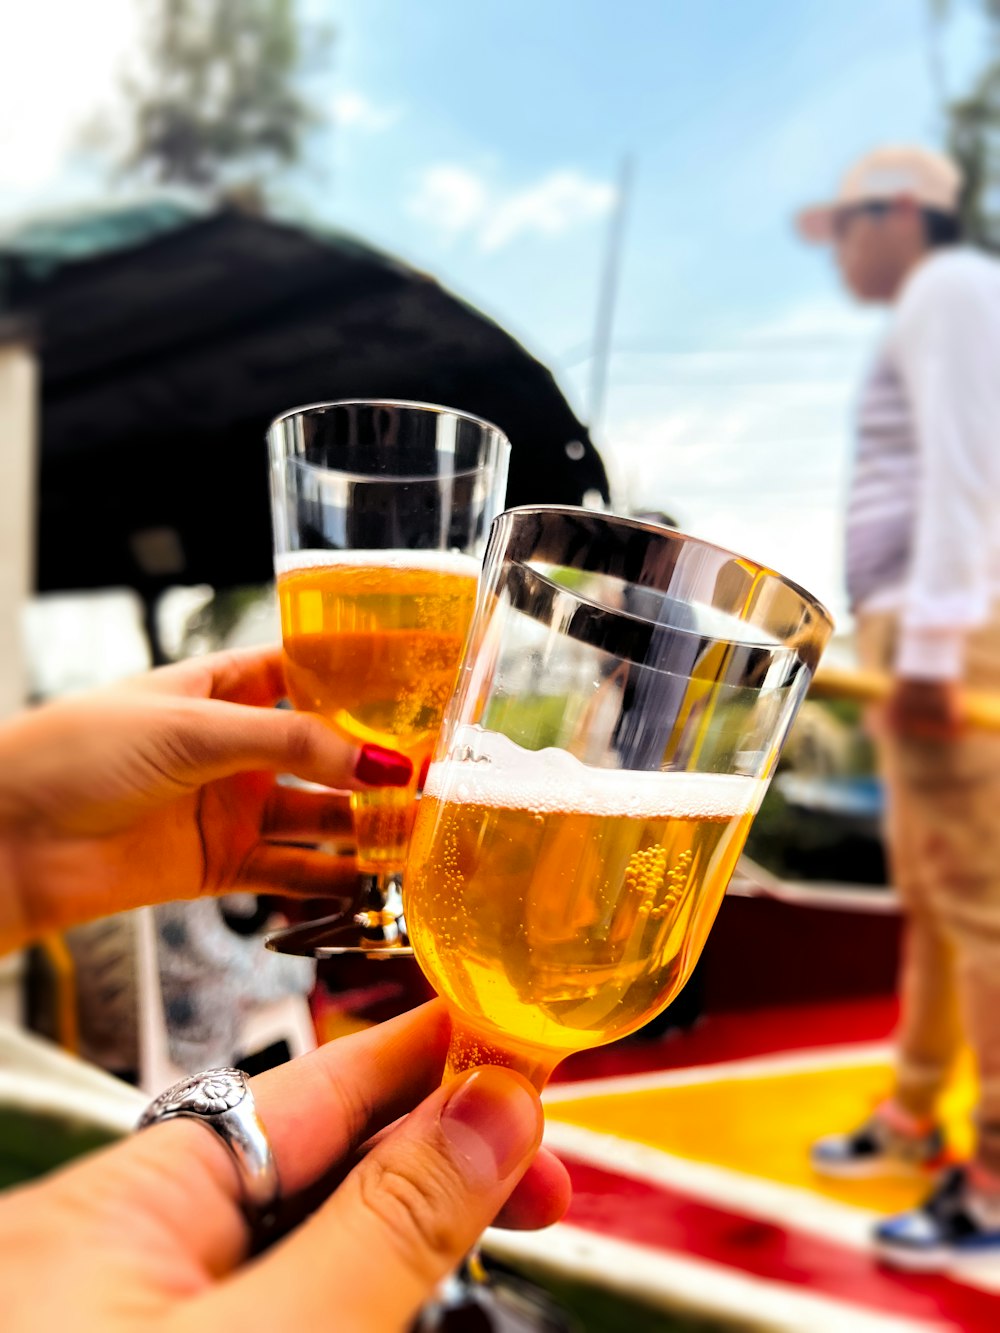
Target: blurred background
573	218
179	178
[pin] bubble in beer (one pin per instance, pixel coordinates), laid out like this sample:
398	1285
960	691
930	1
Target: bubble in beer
561	905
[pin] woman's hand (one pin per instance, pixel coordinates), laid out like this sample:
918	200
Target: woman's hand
150	1234
164	788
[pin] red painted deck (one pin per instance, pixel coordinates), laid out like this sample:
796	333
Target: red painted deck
732	1036
666	1219
694	1149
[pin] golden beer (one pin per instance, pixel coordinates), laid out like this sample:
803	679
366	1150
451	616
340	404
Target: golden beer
372	642
557	906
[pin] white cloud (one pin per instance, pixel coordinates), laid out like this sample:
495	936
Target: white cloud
457	201
50	88
831	319
450	199
749	445
760	473
353	110
559	201
51	91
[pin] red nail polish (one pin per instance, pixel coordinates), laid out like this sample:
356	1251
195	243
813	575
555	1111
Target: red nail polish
424	770
380	767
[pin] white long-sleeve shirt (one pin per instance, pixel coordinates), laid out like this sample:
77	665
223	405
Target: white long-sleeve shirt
923	516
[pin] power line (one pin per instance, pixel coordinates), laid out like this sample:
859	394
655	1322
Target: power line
726	382
795	344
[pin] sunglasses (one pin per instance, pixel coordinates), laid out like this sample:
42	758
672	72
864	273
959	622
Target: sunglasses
845	216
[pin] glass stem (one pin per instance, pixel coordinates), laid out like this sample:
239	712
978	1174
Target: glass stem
380	911
470	1047
380	902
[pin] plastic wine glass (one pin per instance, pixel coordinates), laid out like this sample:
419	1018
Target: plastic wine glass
381	511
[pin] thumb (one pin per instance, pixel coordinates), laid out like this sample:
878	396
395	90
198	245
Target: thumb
410	1211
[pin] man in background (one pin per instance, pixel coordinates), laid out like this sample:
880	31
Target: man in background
923	576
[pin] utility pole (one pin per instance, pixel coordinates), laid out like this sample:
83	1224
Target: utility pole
607	296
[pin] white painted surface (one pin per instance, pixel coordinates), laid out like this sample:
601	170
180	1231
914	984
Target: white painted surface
38	1076
674	1281
18	418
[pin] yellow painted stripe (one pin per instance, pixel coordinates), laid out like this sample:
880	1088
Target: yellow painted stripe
764	1126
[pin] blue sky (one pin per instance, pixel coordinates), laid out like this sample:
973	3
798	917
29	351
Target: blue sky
482	142
735	112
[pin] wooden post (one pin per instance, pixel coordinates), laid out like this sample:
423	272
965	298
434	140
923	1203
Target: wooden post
18	427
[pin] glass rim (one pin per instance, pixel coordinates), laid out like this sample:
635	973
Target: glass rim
775	648
411	404
675	534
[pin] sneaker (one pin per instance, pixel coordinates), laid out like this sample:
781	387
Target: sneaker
955	1223
877	1149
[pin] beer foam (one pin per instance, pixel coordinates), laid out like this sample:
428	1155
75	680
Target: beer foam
486	768
442	562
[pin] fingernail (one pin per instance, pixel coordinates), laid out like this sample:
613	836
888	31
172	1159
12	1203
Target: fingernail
380	767
492	1121
425	768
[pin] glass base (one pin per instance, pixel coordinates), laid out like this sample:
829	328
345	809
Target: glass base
492	1303
378	930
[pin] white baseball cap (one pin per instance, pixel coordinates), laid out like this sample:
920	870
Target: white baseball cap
905	171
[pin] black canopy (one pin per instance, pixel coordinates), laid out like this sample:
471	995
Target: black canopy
170	338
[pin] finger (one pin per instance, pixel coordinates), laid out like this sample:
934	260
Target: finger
248	676
300	872
245	676
307	814
540	1197
204	740
418	1201
324	1105
316	1111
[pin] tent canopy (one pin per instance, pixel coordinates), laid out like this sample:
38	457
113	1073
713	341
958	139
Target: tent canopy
170	337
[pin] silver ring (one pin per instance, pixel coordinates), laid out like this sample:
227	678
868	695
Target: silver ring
222	1100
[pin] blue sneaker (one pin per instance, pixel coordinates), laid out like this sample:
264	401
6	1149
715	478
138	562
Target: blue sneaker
955	1223
876	1149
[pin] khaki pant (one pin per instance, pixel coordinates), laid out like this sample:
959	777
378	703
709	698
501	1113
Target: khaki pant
943	839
